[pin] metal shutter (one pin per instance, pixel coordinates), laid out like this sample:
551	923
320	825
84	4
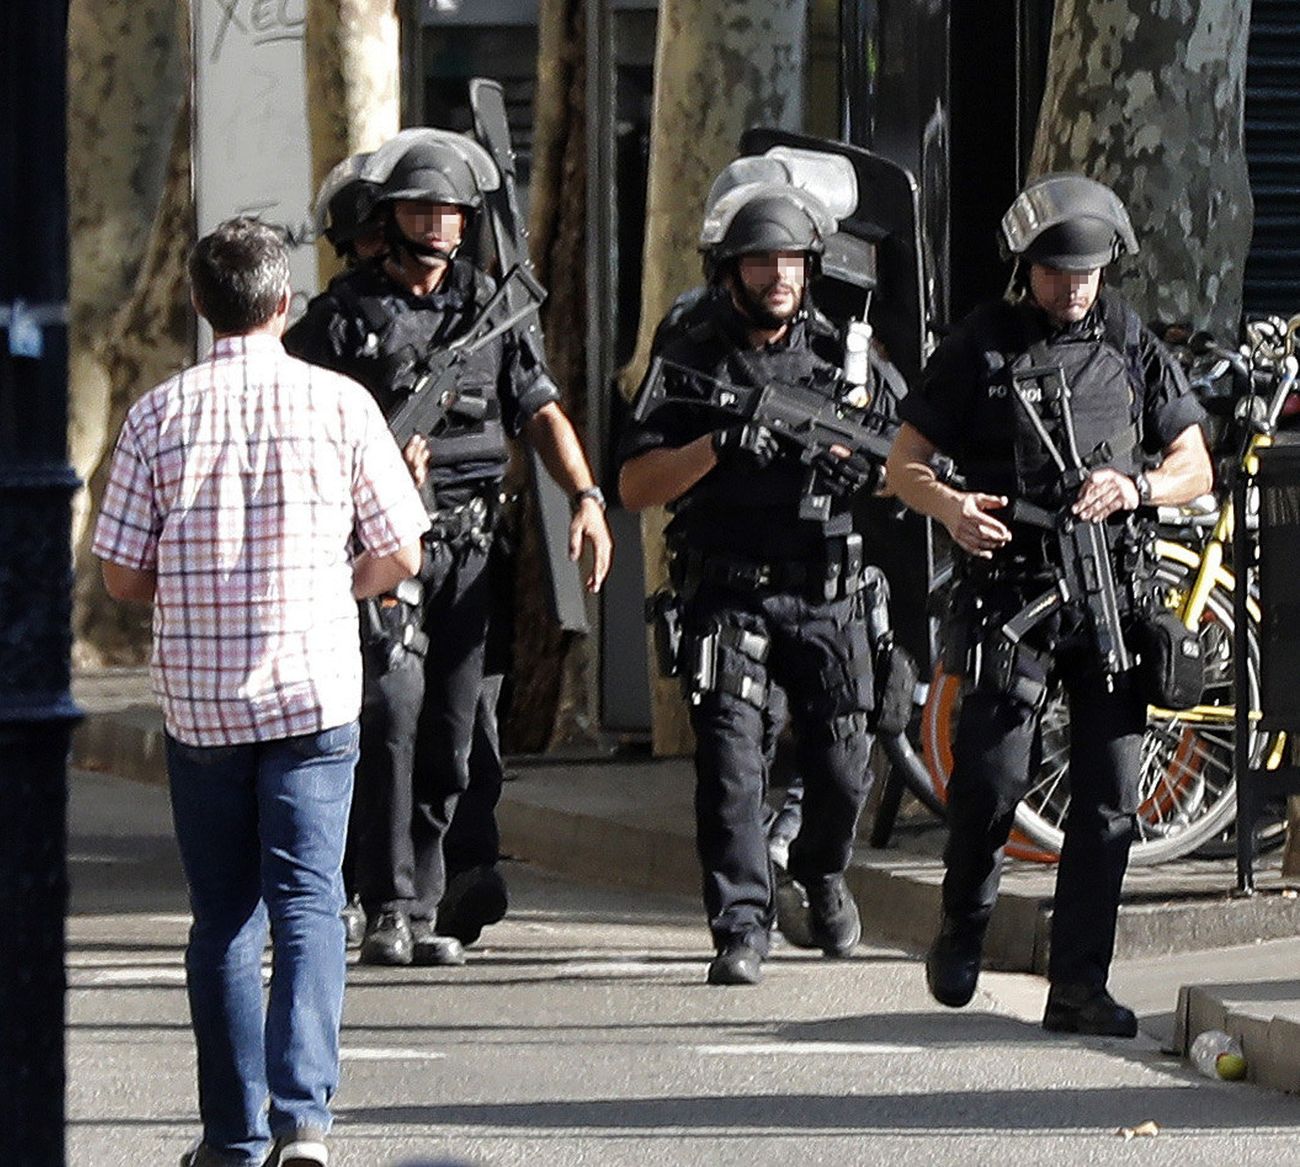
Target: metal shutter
1273	153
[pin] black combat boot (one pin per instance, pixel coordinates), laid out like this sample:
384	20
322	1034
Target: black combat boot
833	921
387	940
430	948
793	915
736	964
354	921
473	900
952	967
1087	1009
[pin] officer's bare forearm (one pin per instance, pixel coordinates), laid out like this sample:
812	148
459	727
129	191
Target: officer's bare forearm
1186	472
912	478
660	476
373	575
552	435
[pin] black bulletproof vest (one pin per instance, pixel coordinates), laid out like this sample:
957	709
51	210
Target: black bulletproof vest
397	335
1003	452
736	508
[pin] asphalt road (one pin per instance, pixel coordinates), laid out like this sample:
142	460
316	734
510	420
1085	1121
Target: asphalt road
581	1032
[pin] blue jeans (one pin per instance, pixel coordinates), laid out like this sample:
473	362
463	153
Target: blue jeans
261	830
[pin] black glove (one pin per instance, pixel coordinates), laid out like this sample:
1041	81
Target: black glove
749	443
842	477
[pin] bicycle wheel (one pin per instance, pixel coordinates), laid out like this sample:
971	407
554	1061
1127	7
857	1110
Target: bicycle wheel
1186	783
938	731
1187	788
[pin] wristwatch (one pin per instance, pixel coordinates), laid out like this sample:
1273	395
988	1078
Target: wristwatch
592	492
1143	484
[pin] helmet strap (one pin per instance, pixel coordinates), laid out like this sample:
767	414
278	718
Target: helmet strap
399	242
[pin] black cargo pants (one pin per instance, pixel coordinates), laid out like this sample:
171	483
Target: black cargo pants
817	652
417	737
997	751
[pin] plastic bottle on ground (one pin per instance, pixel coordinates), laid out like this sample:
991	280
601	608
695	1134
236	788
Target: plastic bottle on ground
1218	1055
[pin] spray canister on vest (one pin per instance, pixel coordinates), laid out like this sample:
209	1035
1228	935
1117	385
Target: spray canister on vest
1217	1055
857	369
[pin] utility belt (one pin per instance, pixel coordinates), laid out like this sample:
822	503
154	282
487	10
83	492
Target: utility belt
726	658
991	616
839	575
390	626
469	523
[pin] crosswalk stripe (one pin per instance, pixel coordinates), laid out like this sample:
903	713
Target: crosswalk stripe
374	1054
750	1048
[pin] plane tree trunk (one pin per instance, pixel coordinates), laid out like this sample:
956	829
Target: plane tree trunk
1150	100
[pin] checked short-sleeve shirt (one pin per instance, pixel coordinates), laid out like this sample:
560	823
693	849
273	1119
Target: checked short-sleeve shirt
243	482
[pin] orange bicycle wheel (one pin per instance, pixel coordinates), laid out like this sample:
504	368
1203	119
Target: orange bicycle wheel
938	732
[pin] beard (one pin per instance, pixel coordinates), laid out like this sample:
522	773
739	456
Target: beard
755	307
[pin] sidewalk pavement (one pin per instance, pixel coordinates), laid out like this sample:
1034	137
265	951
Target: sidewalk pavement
1190	955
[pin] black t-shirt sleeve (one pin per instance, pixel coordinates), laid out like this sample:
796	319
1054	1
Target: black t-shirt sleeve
1170	405
319	336
939	405
673	423
524	384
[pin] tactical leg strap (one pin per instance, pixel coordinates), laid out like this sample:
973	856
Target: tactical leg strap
1014	669
715	671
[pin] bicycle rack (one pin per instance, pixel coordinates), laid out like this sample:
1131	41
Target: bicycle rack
1276	476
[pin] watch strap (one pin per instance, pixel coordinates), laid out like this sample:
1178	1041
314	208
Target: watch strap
590	492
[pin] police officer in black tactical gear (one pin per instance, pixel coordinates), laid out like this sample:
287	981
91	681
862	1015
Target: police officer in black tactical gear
765	593
344	212
380	324
1132	409
476	895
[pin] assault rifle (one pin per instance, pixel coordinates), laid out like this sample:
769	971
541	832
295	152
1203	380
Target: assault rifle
435	399
810	420
1084	571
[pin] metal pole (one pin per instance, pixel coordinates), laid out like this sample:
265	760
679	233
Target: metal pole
602	226
1242	555
859	70
36	485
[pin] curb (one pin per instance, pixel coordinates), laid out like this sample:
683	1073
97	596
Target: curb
113	745
630	824
1270	1043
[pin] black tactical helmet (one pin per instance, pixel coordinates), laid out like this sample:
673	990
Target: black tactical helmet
435	172
769	223
1068	222
344	203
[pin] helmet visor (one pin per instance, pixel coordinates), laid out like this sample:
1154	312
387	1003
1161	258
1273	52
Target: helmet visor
379	166
823	185
1060	198
717	221
344	175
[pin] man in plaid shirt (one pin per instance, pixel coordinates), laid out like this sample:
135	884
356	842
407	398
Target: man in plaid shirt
238	493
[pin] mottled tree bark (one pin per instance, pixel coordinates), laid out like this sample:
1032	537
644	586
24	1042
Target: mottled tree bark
353	67
1147	96
129	227
721	66
551	695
